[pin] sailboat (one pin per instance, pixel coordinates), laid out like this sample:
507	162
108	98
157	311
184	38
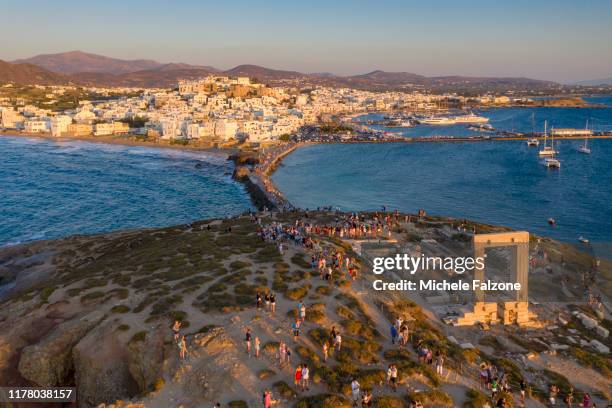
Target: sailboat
585	148
551	162
546	150
534	140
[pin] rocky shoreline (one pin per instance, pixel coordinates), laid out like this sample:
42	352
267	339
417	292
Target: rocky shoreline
254	169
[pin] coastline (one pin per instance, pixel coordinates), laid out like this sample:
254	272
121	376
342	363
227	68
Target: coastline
119	140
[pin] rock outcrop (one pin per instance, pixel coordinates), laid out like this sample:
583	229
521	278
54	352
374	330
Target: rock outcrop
146	359
101	369
48	363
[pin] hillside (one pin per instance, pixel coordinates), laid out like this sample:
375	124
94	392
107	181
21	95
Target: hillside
256	71
96	311
597	82
156	78
28	74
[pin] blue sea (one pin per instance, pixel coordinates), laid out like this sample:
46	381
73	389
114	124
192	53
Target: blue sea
494	182
52	189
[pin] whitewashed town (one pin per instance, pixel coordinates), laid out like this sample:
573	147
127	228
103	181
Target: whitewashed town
214	109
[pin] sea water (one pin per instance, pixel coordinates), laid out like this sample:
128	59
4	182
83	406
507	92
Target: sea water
51	189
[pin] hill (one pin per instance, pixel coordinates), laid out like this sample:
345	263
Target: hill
96	312
597	82
155	78
28	74
256	71
78	61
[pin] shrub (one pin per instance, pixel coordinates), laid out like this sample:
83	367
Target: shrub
265	373
140	336
298	259
47	292
297	293
323	401
433	397
284	390
475	399
92	296
386	401
120	309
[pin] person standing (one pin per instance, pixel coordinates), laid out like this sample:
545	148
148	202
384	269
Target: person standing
257	346
392	376
305	377
586	400
296	329
325	350
182	345
247	340
523	389
355	391
267	399
258	300
366	399
176	329
272	302
298	376
439	362
338	342
393	331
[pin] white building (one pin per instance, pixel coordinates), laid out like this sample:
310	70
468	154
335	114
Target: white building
226	129
59	124
37	125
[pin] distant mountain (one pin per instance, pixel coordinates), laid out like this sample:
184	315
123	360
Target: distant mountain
255	71
390	77
28	74
153	78
596	82
91	69
78	61
181	66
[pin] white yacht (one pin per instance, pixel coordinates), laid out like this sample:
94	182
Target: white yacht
533	142
552	163
438	120
470	118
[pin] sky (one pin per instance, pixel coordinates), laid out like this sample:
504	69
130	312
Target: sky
558	40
